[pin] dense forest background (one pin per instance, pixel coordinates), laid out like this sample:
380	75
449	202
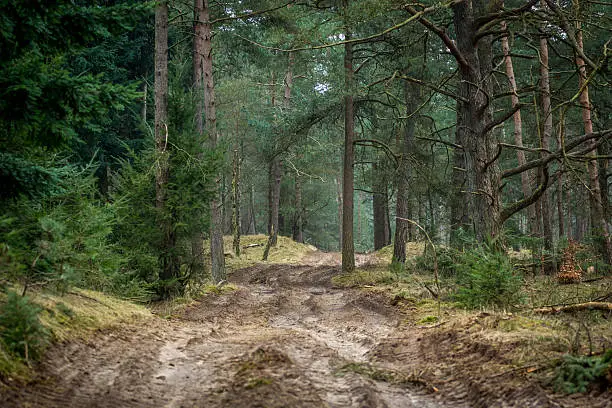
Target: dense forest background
133	132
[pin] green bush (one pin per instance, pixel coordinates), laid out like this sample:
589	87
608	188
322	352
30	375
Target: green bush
576	373
486	279
447	259
20	329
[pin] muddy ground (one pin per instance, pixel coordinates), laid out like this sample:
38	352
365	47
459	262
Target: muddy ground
286	338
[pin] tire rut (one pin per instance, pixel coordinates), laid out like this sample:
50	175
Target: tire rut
279	340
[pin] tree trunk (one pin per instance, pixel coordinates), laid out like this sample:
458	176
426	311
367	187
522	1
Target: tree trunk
359	224
216	221
197	240
474	118
546	134
275	175
387	221
379	207
252	224
236	202
340	207
458	207
599	224
518	131
560	207
348	245
604	165
143	111
298	235
169	264
562	221
403	176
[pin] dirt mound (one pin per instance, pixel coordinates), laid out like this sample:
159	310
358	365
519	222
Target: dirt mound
266	377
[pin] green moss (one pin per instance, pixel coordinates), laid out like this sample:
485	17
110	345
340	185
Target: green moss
428	320
76	314
257	382
286	251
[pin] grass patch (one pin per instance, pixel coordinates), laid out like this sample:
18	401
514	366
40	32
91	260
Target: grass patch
413	249
73	315
286	251
429	320
258	382
364	277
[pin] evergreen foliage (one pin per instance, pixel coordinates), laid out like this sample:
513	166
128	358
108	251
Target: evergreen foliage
577	373
21	331
486	279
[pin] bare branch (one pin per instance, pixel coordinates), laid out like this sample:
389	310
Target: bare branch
440	32
557	154
503	118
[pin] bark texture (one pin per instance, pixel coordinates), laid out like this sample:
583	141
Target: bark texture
526	176
546	135
599	224
216	220
475	119
380	208
403	176
348	245
236	202
275	177
298	233
197	240
169	264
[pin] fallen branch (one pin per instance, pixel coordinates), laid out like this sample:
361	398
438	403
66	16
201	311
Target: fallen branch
252	246
576	307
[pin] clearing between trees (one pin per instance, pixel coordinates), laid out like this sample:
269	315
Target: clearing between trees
290	336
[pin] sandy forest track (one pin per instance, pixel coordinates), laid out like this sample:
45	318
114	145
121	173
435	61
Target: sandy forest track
286	338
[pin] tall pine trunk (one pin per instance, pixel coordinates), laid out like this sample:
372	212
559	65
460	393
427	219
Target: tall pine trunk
348	245
546	135
518	132
340	210
274	180
402	214
169	264
298	234
599	224
474	119
216	220
236	201
379	207
197	240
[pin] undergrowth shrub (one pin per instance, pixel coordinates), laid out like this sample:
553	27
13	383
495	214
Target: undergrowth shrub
486	279
577	373
20	328
446	257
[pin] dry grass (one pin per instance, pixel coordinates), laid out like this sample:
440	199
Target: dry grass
413	249
286	251
368	276
73	315
80	312
522	339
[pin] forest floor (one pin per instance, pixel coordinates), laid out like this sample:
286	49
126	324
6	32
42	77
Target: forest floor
289	336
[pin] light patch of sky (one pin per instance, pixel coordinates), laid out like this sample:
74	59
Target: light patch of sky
320	69
321	88
336	37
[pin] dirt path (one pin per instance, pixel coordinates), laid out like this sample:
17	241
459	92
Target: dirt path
286	338
281	340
